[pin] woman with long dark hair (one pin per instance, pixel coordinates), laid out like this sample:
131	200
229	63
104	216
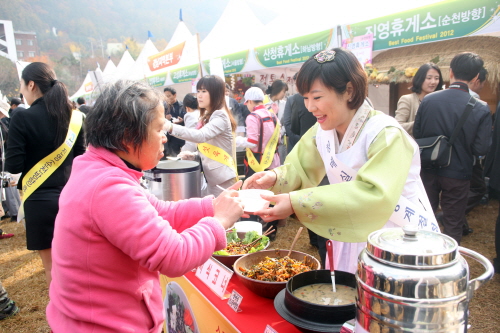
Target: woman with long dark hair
214	135
34	134
427	79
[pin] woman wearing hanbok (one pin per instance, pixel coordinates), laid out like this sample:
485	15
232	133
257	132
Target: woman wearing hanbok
372	164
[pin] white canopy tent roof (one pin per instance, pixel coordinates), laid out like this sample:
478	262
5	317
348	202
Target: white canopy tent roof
85	89
181	34
140	69
224	39
108	74
125	65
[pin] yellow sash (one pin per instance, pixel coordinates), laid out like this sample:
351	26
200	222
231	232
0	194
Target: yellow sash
219	155
266	100
268	155
44	168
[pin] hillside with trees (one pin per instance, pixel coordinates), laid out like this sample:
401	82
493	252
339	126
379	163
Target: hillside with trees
65	27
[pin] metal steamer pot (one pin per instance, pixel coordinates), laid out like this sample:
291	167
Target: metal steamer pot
415	281
174	180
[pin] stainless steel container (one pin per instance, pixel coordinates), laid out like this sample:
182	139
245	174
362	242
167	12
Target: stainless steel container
415	281
174	180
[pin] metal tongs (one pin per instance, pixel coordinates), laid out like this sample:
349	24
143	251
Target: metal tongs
329	248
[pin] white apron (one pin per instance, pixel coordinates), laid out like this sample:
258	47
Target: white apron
342	163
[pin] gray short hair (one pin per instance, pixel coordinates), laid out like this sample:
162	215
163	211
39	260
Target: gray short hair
121	115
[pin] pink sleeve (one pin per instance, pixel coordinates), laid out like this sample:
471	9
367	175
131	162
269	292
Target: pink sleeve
253	129
181	214
123	213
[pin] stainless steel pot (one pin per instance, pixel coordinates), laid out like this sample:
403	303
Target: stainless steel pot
174	180
415	281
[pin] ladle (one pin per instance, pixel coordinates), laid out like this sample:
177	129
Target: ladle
329	249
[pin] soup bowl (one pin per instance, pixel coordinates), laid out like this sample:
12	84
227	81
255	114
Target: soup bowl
311	317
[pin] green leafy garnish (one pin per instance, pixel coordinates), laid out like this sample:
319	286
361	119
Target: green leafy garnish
232	236
237	246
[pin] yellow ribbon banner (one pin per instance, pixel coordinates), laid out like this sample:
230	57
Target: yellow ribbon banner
219	155
41	171
268	155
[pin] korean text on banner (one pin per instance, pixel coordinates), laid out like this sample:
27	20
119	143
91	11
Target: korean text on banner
293	50
361	47
166	58
232	63
440	21
185	74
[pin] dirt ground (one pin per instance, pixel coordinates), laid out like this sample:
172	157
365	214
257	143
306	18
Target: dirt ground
23	277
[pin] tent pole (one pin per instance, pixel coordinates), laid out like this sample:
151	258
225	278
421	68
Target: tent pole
199	54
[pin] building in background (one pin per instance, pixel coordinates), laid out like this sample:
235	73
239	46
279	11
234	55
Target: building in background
7	40
114	48
26	44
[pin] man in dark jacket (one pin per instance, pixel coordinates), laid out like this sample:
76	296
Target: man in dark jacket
296	119
15	105
492	165
439	114
82	106
174	111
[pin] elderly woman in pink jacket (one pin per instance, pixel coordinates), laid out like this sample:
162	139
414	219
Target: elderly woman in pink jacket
111	238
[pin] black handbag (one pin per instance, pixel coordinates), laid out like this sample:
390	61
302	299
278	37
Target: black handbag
435	151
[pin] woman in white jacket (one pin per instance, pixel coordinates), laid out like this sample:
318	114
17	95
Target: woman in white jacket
214	135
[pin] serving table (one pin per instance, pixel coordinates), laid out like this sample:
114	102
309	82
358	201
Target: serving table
213	314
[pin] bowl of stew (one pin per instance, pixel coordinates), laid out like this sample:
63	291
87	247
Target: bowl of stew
310	296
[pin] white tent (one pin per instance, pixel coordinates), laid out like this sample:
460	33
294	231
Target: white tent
108	74
181	34
125	65
140	69
224	39
85	89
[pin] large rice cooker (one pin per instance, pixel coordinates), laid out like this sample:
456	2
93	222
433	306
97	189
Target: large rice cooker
174	180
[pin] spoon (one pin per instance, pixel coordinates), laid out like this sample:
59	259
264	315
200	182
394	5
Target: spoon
173	158
329	248
295	240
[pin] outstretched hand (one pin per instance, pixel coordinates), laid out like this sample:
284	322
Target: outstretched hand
260	180
282	208
228	207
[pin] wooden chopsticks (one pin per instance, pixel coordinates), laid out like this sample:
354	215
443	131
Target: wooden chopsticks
268	232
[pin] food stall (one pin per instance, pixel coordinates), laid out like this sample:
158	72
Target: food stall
397	286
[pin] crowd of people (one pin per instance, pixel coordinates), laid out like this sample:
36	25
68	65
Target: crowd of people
327	155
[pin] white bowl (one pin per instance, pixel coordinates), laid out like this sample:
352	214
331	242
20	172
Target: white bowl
245	226
252	201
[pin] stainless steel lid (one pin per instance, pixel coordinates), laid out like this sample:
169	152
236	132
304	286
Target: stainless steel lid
408	247
176	166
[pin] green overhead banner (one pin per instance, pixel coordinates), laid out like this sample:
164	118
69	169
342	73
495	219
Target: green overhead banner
157	80
293	50
185	74
444	20
232	63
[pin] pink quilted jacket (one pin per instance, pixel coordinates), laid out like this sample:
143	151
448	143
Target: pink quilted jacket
111	242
